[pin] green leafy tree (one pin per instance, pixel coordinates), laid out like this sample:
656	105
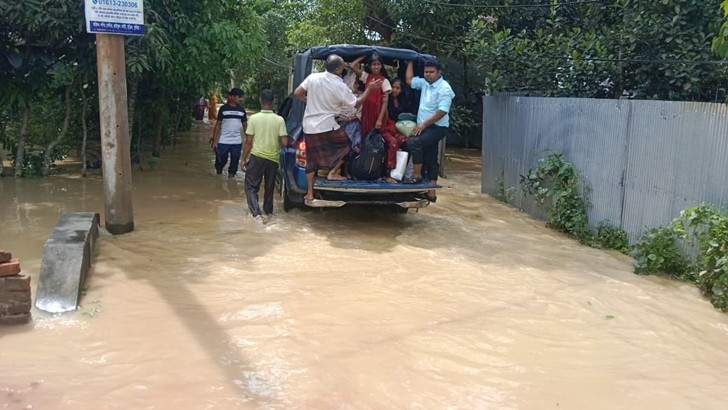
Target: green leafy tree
655	50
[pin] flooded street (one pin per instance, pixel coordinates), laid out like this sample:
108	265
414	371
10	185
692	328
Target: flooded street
468	304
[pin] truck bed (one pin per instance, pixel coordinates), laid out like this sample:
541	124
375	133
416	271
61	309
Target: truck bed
356	186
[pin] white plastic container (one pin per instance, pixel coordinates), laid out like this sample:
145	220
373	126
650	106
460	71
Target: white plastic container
398	171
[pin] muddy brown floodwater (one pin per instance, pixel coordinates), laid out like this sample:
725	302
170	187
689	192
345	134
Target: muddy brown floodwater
468	304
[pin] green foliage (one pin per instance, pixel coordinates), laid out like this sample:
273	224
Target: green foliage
463	120
271	69
43	127
601	49
657	251
323	22
720	42
555	185
703	231
609	236
505	194
190	47
707	227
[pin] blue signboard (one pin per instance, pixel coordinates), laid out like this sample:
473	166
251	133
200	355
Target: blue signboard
124	17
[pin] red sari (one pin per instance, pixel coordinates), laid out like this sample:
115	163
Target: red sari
370	112
372	106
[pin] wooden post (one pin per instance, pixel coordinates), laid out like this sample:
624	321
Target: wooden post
115	141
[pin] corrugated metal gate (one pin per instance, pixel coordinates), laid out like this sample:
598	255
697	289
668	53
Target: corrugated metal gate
643	161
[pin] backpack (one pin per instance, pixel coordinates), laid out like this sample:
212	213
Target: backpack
368	164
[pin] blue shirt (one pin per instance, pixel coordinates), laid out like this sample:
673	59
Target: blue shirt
435	96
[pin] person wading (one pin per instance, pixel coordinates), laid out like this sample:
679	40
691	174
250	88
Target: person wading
227	140
265	135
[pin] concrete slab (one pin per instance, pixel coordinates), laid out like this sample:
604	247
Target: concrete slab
66	261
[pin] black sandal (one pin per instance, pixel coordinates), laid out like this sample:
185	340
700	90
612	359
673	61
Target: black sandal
412	180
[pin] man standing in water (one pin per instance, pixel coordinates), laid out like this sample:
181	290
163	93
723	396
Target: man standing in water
325	95
227	140
264	136
433	121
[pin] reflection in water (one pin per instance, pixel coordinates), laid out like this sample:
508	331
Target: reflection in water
467	304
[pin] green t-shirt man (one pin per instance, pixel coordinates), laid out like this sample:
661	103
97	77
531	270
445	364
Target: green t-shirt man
266	128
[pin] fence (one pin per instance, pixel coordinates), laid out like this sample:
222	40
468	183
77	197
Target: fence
643	161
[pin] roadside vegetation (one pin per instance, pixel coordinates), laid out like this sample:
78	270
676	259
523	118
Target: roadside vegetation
694	248
599	49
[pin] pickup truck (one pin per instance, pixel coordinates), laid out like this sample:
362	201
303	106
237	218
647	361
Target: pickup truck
398	197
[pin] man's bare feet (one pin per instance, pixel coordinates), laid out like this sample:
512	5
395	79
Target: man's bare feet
335	177
389	180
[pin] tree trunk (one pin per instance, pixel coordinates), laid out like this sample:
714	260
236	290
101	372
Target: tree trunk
47	161
466	89
2	147
378	20
158	127
132	86
157	139
85	132
139	146
619	81
20	153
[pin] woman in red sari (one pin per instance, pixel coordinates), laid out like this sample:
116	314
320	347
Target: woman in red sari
374	110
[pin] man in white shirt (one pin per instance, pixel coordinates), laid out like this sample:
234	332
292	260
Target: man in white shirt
325	94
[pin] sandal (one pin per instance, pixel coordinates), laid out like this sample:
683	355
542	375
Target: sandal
412	180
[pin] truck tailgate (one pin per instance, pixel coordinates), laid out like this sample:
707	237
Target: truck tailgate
356	186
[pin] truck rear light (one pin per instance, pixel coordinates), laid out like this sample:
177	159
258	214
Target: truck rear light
301	154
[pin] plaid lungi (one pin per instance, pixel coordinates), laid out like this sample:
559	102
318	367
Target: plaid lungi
324	150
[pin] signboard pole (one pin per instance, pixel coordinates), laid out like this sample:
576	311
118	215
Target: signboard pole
115	140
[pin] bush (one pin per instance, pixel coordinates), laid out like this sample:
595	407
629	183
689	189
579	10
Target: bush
706	227
610	237
657	251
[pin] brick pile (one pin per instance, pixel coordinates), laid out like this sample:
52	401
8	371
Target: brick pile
15	300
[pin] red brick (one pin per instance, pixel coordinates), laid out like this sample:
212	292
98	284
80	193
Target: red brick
13	283
14	308
19	319
5	256
10	268
14	296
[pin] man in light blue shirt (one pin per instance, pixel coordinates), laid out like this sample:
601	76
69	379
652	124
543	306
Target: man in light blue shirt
433	121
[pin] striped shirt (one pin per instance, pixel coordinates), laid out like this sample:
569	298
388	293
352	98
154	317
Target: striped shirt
232	120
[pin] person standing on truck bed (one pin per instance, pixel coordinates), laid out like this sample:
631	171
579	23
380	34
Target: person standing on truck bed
433	121
227	139
374	113
327	145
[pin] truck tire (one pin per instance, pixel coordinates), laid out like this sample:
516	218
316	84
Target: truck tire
287	203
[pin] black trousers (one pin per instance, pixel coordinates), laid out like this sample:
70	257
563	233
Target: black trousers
260	170
424	149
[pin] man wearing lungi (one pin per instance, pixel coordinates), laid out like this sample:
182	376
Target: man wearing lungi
327	145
